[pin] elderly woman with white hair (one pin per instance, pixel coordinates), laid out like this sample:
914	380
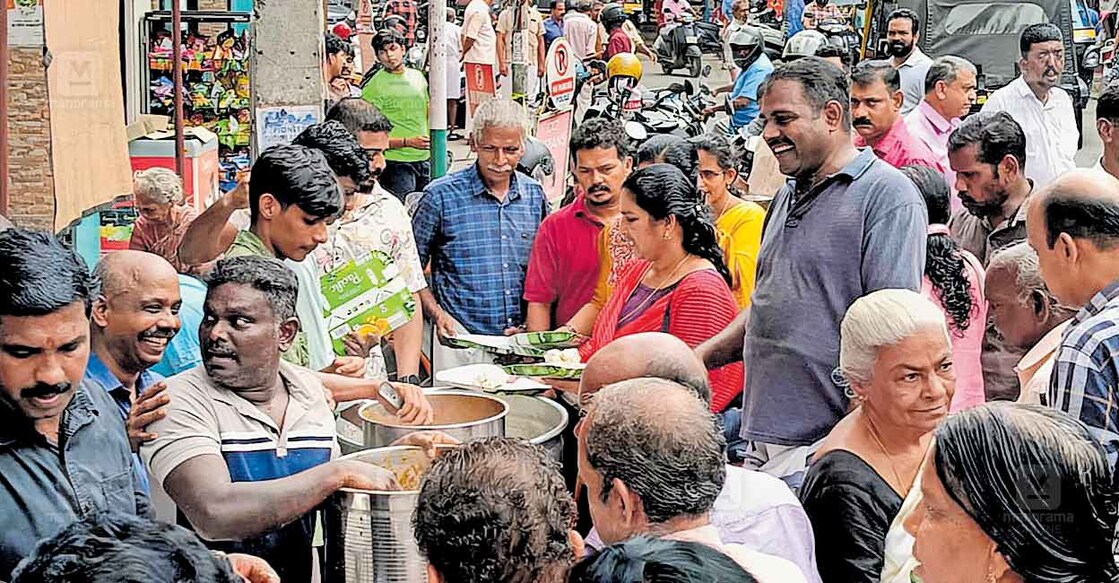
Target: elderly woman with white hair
895	358
164	218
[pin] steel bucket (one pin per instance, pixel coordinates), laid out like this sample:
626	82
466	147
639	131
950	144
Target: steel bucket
368	534
538	420
463	415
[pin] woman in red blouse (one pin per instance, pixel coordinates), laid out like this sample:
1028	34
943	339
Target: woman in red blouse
680	283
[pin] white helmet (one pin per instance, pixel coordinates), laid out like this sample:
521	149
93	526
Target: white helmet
803	44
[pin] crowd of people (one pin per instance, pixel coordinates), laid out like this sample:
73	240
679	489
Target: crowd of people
901	368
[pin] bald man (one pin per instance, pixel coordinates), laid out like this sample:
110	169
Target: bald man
753	509
1073	224
134	316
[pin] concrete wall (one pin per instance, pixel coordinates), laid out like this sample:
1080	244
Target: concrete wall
31	186
288	68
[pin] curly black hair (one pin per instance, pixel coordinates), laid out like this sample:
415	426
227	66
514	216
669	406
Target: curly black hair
495	510
944	266
342	150
113	547
662	190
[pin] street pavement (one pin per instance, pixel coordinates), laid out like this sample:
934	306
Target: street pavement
654	79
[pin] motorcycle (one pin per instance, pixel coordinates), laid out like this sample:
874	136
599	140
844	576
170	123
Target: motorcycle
840	34
678	110
682	45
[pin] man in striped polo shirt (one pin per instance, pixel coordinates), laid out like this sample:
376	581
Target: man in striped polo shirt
246	449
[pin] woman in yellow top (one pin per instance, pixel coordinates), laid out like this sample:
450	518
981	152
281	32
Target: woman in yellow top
738	222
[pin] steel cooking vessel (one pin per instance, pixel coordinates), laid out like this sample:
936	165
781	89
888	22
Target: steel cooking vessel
368	534
463	415
538	420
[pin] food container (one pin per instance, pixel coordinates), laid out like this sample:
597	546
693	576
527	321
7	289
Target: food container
463	415
540	421
368	534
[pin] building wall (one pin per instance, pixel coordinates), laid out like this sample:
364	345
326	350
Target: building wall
31	187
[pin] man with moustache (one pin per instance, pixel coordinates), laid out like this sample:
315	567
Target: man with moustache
1107	120
949	94
988	154
133	319
64	454
903	32
875	222
476	227
247	447
1036	101
564	266
876	99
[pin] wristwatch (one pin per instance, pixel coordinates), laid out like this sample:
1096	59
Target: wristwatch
411	379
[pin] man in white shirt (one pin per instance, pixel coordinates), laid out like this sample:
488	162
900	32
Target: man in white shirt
753	509
1027	315
902	32
655	466
452	43
1107	124
479	40
949	94
582	34
1040	106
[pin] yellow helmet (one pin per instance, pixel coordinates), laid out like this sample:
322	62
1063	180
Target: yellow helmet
623	65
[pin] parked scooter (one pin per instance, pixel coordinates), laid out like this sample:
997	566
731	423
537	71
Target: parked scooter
682	45
678	109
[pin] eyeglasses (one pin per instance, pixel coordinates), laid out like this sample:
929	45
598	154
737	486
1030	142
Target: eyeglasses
711	174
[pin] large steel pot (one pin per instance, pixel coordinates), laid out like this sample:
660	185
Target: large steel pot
368	534
463	415
538	420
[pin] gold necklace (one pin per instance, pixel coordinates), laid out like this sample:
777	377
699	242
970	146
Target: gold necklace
653	293
889	459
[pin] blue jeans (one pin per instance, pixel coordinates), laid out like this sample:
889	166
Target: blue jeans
731	420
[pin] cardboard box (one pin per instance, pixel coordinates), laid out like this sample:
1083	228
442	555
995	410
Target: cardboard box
151	144
366	295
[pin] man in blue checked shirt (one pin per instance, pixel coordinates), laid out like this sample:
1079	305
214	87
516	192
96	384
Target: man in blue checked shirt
134	316
476	226
1073	224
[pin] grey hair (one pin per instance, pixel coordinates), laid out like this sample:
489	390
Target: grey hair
499	113
159	185
947	69
1022	260
883	318
452	16
676	468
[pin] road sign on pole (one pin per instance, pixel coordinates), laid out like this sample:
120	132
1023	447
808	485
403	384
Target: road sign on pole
561	74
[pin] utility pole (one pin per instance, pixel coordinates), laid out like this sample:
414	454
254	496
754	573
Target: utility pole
437	85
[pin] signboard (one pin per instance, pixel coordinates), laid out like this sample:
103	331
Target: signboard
560	74
366	295
280	125
480	86
25	23
554	129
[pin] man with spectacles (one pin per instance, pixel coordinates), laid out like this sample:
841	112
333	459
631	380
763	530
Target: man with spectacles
1036	101
476	227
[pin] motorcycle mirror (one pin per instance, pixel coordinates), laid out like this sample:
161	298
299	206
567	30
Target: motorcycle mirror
689	89
636	131
676	88
706	71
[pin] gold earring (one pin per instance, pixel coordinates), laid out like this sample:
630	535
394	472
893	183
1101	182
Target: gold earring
667	236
